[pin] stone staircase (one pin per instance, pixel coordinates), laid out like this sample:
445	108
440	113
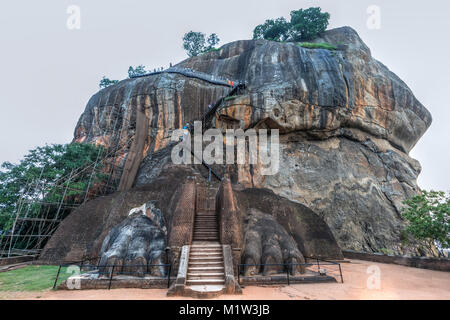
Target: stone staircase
205	271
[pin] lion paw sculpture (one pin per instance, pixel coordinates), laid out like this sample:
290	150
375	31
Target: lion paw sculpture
268	243
137	245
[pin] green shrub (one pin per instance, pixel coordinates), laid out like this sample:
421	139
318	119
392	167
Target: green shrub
386	251
320	45
106	82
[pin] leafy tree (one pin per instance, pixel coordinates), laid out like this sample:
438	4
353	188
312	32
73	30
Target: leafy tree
275	30
138	71
106	82
195	43
308	24
213	40
428	215
304	25
41	177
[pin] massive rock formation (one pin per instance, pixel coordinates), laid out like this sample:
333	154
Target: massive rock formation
347	124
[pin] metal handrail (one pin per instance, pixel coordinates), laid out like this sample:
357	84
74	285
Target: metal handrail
112	272
191	74
287	265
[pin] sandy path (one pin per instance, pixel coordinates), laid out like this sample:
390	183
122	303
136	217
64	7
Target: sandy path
396	282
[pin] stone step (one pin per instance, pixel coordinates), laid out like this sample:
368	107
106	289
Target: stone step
205	269
203	264
203	244
205	274
206	238
203	233
206	232
205	224
199	252
208	235
207	227
200	244
205	281
206	259
206	249
197	276
206	254
210	250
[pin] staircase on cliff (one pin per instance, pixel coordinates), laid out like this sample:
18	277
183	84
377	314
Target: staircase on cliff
205	264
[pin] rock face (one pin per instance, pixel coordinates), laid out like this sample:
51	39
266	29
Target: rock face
347	125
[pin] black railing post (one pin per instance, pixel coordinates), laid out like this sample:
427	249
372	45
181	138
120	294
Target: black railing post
318	265
287	274
168	276
110	277
340	271
57	276
239	274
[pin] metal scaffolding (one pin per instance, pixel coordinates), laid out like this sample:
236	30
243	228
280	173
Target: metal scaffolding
36	219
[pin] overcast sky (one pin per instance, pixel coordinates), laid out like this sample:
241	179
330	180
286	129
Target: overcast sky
48	72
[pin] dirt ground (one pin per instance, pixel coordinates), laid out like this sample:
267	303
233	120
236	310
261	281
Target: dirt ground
362	280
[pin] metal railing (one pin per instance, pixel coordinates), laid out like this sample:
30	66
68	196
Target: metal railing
191	74
288	267
108	272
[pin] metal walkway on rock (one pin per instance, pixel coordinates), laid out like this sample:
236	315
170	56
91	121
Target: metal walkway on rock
194	74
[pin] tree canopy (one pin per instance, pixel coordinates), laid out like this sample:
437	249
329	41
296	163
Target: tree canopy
428	216
138	71
106	82
41	176
276	30
196	43
304	25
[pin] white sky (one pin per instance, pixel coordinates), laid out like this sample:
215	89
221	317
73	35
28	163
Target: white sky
49	72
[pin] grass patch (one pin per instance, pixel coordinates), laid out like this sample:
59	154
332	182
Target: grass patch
211	50
230	98
31	278
320	45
